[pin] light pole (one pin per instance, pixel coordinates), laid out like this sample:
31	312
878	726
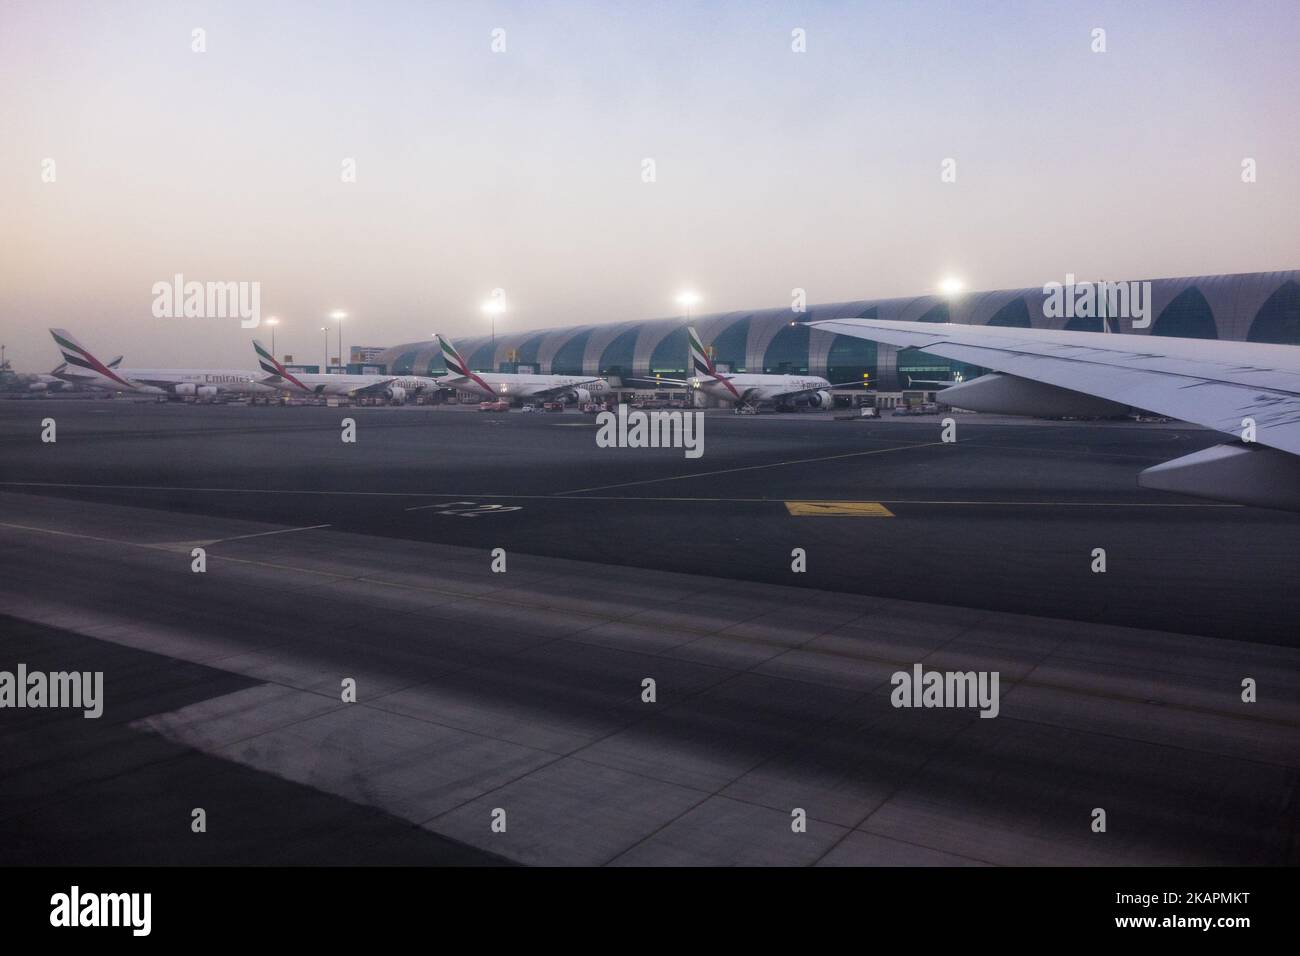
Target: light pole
326	367
339	316
272	322
494	307
686	299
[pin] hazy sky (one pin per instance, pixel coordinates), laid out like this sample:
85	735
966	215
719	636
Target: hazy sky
523	169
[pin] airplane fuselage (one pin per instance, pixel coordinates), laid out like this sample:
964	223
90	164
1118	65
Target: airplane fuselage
510	385
172	381
755	388
418	383
320	383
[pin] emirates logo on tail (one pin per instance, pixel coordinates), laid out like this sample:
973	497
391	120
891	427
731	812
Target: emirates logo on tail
75	354
458	367
269	364
455	364
701	364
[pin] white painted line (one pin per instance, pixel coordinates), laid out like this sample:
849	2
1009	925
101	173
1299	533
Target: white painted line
263	534
774	464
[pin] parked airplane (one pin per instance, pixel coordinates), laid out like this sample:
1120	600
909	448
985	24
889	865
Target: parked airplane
82	368
11	381
752	388
414	385
315	383
508	385
1249	390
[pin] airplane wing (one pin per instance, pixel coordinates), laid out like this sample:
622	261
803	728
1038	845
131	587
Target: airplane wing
939	383
1224	386
374	386
660	381
468	383
815	388
559	389
154	382
1207	382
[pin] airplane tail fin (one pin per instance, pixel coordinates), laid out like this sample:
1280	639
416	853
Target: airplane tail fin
78	356
271	366
266	360
74	353
456	363
701	364
457	367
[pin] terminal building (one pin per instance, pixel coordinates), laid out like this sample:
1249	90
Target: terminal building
1255	307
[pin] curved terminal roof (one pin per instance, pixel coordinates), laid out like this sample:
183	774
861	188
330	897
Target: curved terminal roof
1259	306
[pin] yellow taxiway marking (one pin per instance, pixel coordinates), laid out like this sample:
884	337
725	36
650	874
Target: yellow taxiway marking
852	509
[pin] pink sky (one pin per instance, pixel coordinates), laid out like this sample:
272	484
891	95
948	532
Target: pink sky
522	169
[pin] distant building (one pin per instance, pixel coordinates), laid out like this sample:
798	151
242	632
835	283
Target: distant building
1255	307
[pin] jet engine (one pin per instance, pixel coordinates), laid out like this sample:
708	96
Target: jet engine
396	394
821	399
189	390
38	387
579	395
1005	394
1247	474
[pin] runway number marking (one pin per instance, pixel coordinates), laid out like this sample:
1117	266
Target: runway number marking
467	509
850	509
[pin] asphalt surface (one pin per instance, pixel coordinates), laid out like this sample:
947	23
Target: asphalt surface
520	691
1007	518
107	792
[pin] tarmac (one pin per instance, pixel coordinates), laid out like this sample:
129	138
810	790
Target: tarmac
486	697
